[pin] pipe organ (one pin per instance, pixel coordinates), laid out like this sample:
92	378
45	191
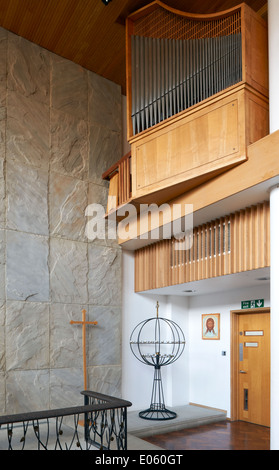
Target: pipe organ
197	96
196	61
176	60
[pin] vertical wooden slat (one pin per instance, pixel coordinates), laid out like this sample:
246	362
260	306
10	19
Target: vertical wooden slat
267	234
233	250
227	248
215	249
253	239
160	264
221	248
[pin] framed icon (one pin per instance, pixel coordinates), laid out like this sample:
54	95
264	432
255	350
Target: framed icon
211	326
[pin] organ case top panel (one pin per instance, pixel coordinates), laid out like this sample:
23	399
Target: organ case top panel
176	60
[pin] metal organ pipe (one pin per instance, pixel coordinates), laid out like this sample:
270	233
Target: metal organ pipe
169	75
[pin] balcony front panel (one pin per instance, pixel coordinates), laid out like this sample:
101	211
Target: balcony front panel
198	144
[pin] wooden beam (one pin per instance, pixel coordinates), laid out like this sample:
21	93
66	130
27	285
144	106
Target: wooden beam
261	166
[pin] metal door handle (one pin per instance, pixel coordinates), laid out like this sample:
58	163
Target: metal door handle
242	372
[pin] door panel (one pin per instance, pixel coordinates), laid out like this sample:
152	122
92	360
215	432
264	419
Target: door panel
254	368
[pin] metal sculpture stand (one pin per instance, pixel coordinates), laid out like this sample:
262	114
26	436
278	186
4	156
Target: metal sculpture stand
157	358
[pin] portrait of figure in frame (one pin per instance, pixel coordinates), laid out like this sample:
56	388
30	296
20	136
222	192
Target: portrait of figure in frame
211	326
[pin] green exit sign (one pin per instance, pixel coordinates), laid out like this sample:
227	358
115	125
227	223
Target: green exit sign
252	303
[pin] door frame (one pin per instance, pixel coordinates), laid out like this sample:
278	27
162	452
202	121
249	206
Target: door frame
234	355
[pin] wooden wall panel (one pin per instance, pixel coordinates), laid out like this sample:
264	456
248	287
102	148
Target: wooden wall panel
236	243
198	143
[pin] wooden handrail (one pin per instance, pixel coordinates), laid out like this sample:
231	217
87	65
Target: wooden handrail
114	168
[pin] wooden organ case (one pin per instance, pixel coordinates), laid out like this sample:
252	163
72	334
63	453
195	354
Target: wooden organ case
197	96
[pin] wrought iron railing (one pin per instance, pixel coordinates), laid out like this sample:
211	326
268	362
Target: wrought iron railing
100	424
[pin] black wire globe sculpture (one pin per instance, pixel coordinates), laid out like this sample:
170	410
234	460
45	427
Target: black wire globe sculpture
163	344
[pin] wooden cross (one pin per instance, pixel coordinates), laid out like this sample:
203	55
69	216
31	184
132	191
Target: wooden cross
84	323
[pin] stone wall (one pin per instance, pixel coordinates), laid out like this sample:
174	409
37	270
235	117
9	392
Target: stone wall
60	129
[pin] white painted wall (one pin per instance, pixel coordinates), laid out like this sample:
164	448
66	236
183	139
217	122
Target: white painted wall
273	36
209	371
202	374
137	378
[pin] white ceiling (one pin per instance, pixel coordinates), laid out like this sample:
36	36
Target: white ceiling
218	284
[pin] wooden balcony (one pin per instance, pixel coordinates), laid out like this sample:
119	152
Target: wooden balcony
189	149
197	144
197	98
120	183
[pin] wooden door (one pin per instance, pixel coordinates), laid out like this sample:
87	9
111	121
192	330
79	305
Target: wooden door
254	368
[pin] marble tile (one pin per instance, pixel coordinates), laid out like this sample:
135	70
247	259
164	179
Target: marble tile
3	118
27	390
2	338
2	392
69	87
65	339
104	102
105	379
27	267
98	230
97	194
69	144
104	340
68	202
3	65
2	195
28	68
27	198
68	271
27	335
104	279
65	387
2	264
28	133
104	151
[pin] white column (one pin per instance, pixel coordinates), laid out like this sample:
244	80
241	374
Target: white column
273	39
273	36
274	318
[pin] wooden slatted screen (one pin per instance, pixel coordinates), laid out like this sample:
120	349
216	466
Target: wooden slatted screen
236	243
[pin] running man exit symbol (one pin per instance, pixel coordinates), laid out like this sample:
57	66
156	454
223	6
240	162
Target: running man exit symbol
258	303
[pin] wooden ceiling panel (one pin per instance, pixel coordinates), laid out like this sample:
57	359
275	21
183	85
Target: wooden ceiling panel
88	32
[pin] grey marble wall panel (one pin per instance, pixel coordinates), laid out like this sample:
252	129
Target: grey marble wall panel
104	283
27	335
2	392
28	133
69	87
104	341
69	144
2	195
68	271
27	198
3	116
104	151
65	339
104	102
105	379
27	390
97	194
27	267
28	69
2	339
65	387
60	129
68	202
98	229
2	264
3	65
